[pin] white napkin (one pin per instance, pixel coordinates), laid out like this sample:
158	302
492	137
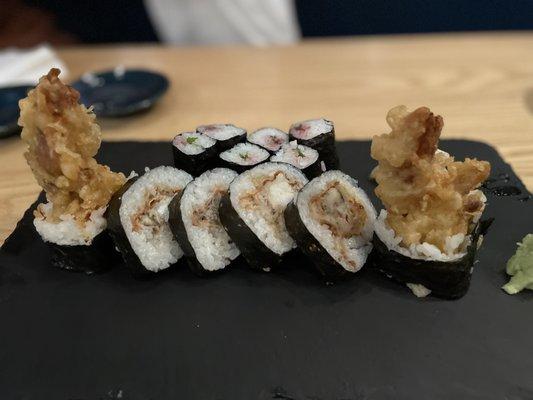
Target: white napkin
25	67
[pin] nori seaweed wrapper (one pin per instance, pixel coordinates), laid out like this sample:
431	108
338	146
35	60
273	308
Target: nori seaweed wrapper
195	164
271	152
116	231
239	168
254	251
311	247
97	257
223	145
325	145
448	280
180	234
313	170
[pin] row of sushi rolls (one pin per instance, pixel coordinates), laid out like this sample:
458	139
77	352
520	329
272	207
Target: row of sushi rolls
259	196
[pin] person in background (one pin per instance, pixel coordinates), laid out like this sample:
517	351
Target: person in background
23	25
26	23
256	22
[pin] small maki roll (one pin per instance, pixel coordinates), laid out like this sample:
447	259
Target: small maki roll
302	157
318	134
252	212
430	229
62	139
138	220
226	135
193	152
196	225
243	156
332	221
269	138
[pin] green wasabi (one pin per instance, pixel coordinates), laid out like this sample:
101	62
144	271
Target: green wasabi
520	267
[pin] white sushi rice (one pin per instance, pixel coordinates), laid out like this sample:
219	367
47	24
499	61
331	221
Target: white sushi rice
357	247
311	128
212	245
268	224
192	143
221	131
296	154
245	154
418	289
151	238
455	247
68	232
269	138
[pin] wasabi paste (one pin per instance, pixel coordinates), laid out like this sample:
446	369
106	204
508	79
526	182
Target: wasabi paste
520	267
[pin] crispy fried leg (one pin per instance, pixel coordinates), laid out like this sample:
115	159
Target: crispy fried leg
62	138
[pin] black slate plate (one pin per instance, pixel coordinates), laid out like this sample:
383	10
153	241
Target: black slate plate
248	335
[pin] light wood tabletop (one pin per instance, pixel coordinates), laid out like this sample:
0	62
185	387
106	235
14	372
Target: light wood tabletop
482	84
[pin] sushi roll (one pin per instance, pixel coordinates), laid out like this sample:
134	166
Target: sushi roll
193	152
194	220
73	246
252	212
430	229
318	134
332	222
63	138
243	156
226	135
302	157
138	220
269	138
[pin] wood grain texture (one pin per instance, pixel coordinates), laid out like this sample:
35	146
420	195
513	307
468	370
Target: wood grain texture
482	84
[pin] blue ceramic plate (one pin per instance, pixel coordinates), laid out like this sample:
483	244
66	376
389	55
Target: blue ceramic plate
121	92
9	108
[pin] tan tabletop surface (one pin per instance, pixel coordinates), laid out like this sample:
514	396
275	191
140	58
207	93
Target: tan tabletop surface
482	84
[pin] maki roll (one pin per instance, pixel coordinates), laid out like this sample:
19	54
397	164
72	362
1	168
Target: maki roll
226	135
63	138
79	247
252	212
302	157
243	156
193	152
196	225
269	138
332	222
318	134
138	220
429	232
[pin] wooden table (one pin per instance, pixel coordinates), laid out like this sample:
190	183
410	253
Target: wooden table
481	83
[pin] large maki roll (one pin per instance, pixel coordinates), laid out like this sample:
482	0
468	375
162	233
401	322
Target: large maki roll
138	220
252	212
193	152
425	269
429	232
243	156
62	138
74	246
318	134
226	135
269	138
196	225
332	221
302	157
